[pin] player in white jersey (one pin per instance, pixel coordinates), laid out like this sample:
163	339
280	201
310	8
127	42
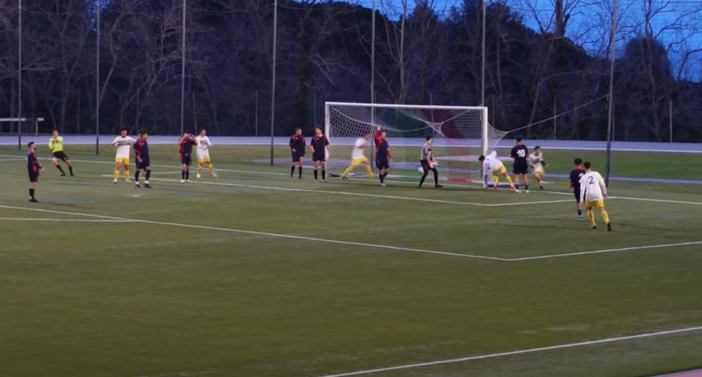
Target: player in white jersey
536	164
203	153
492	165
593	191
123	144
358	156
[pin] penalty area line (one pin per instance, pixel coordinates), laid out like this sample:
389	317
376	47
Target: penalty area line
518	352
633	248
267	234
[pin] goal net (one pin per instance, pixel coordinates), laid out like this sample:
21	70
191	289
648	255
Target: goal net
460	134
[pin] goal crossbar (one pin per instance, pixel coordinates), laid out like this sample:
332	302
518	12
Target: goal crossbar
423	107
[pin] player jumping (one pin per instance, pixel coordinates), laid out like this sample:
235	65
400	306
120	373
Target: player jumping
123	144
537	164
203	153
519	153
492	164
382	154
141	150
33	169
575	176
56	146
358	157
319	146
426	158
297	150
186	143
594	192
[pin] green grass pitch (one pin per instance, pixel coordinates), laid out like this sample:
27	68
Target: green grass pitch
254	274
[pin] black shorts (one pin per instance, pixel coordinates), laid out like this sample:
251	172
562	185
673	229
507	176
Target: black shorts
143	164
33	176
186	159
520	168
319	157
426	167
297	156
576	193
61	156
382	163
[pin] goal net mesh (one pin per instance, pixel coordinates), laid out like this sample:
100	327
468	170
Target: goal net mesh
457	133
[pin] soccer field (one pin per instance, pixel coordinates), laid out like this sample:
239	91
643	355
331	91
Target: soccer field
255	274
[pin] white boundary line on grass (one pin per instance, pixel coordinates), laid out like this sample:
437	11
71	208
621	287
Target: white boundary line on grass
268	234
63	220
632	248
518	352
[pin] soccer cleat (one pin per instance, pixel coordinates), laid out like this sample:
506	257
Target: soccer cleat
147	185
324	181
541	187
115	181
187	181
182	181
63	174
73	175
517	191
609	227
198	175
438	186
526	191
300	177
32	200
580	218
344	177
214	175
382	185
128	181
137	185
593	227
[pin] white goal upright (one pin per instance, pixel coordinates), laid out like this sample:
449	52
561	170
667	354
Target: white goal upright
460	134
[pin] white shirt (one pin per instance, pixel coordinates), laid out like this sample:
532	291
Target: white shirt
124	145
592	186
358	148
203	143
491	163
536	161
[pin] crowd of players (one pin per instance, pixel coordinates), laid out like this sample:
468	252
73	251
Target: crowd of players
588	186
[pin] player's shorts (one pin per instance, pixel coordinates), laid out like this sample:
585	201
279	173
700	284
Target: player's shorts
33	175
520	168
501	170
203	157
319	157
382	163
595	203
425	166
358	161
122	160
296	156
61	156
186	159
577	195
143	164
538	170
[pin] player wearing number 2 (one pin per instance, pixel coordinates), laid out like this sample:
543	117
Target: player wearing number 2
594	191
519	153
536	164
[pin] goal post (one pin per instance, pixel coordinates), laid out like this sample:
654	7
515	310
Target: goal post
460	134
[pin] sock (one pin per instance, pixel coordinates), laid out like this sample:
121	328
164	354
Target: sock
591	217
60	169
292	171
605	216
368	169
187	174
116	174
182	174
347	171
526	187
31	193
136	177
315	174
299	170
148	175
509	180
70	169
126	174
496	180
436	177
324	174
199	169
211	167
382	177
580	213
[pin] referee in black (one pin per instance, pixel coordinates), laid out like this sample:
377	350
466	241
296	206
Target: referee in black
426	159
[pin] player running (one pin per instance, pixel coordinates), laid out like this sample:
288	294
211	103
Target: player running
492	164
141	150
575	176
319	145
426	158
594	192
382	154
33	169
185	151
537	164
203	153
358	157
519	153
123	144
297	150
56	146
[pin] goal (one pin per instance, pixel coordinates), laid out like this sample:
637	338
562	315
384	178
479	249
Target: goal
460	134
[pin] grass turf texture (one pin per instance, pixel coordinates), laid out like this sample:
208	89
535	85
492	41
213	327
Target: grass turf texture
145	299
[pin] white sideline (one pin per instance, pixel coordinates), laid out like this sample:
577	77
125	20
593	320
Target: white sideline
518	352
268	234
62	220
606	251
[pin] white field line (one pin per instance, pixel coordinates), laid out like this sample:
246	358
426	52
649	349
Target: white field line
518	352
633	248
267	234
63	220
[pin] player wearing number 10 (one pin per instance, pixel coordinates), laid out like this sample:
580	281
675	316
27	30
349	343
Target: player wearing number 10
594	192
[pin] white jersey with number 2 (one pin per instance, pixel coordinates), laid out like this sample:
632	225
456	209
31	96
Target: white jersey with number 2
592	186
358	148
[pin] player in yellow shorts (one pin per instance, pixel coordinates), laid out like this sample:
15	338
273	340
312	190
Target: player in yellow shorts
537	164
593	192
358	157
123	144
203	153
491	164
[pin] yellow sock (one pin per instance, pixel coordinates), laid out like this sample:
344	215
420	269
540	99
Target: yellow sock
591	217
509	180
605	216
126	174
199	169
209	166
347	171
495	180
368	169
116	174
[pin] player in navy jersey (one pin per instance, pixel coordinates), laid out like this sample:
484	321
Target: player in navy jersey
143	162
575	176
520	153
297	150
33	169
186	143
319	146
382	154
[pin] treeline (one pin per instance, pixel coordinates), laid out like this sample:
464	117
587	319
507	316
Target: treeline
423	56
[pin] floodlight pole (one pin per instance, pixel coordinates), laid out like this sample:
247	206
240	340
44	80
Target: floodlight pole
97	77
182	75
275	49
19	76
610	119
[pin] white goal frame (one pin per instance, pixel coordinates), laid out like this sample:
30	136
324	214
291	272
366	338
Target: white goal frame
485	125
